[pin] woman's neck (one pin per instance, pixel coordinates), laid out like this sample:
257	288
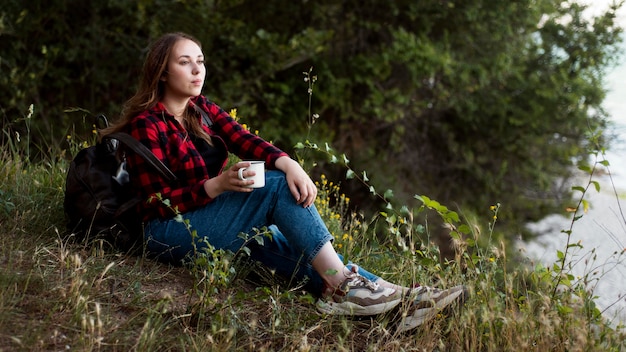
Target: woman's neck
176	107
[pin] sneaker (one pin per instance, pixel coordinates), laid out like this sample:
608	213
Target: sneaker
426	302
359	296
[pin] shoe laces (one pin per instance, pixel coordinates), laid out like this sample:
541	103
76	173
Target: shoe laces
353	280
358	281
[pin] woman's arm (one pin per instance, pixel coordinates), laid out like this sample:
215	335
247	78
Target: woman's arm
300	184
239	141
252	147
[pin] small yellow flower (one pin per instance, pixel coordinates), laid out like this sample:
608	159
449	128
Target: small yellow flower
233	114
492	259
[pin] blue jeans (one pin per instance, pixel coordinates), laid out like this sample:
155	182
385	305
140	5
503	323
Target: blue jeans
298	233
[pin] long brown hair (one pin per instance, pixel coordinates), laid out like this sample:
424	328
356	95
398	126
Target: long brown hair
152	89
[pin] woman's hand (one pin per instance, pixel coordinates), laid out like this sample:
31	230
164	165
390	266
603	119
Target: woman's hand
300	184
229	181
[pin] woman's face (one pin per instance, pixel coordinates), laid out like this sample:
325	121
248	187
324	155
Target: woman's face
185	71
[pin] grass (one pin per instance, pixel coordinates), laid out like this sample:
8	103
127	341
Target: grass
57	295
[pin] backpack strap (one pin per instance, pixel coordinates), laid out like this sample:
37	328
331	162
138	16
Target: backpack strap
206	120
144	152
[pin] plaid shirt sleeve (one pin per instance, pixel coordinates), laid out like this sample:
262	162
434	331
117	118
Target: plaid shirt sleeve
171	146
239	141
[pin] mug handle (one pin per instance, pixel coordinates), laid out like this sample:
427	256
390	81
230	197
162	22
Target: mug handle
240	173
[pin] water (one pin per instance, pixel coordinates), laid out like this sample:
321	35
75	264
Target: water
602	230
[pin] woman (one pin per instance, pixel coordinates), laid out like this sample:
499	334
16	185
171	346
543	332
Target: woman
219	204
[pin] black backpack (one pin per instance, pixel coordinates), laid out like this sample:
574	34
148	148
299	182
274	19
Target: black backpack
99	202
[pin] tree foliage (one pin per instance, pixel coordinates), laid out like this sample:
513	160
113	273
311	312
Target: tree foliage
471	102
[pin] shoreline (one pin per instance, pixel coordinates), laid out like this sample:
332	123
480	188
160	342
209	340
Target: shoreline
602	234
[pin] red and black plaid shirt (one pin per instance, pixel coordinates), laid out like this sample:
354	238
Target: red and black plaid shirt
168	140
